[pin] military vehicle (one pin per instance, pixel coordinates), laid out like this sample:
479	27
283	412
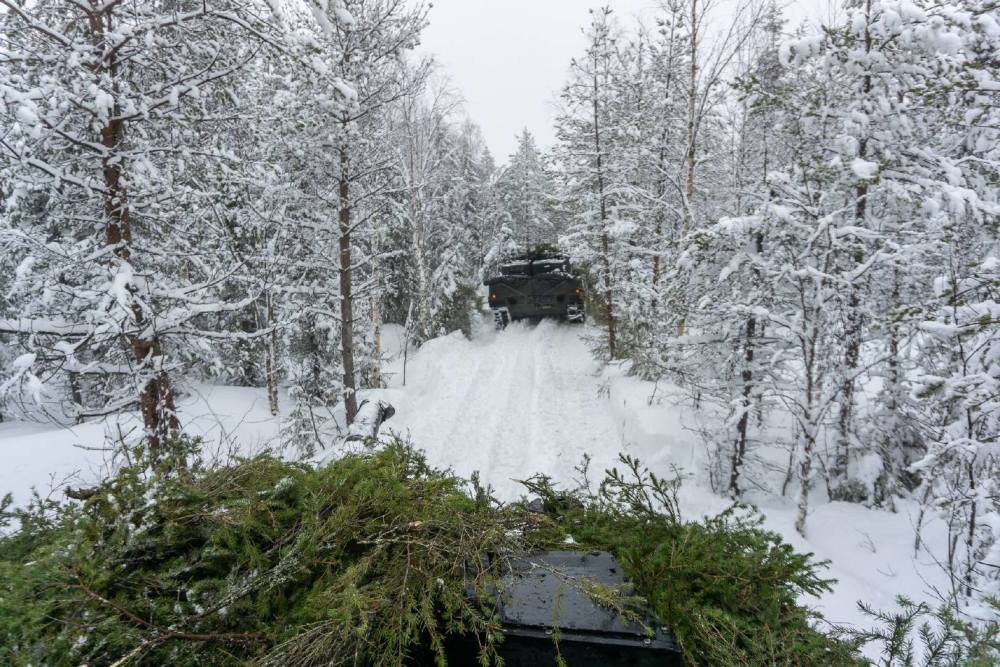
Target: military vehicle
535	285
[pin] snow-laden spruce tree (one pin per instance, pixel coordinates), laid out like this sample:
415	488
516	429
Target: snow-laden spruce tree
109	110
469	215
492	237
527	192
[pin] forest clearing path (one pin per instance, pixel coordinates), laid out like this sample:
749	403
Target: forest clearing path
507	403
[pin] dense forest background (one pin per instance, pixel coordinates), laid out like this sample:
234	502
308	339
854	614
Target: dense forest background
797	228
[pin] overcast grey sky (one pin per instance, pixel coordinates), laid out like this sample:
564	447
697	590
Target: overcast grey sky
508	58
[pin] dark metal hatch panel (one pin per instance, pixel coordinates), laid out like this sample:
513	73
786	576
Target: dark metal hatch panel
539	594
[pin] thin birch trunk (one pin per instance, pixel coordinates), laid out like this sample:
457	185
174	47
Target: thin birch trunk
810	424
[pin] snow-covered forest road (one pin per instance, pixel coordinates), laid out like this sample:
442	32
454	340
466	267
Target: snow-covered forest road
529	399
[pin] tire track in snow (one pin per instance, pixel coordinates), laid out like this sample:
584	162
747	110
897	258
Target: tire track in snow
508	404
464	398
513	450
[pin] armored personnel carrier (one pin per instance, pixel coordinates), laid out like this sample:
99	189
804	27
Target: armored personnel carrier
536	285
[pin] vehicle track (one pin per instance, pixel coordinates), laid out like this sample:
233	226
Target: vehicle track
508	404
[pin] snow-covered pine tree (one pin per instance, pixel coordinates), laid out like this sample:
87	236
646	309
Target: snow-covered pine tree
469	218
103	103
370	52
334	154
492	238
586	165
527	194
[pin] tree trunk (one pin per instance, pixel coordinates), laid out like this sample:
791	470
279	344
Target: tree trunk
156	398
970	533
75	394
272	359
810	424
605	239
739	449
805	474
376	316
346	292
852	353
740	446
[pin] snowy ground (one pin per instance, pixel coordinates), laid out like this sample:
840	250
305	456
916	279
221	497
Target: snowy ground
509	404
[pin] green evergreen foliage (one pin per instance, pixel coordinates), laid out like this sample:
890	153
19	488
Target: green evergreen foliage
369	560
728	589
455	309
261	560
915	635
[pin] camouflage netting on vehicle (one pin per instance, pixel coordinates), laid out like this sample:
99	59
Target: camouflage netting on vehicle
369	559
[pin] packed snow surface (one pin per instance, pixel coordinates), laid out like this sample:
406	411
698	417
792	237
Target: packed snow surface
509	404
525	400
